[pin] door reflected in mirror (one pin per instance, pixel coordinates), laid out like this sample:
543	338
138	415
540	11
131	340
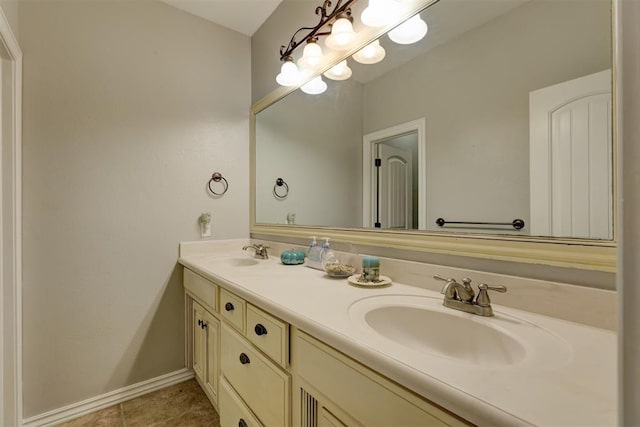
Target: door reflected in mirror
475	81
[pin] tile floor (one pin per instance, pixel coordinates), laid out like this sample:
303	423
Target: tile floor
180	405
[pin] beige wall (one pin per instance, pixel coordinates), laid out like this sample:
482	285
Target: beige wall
129	107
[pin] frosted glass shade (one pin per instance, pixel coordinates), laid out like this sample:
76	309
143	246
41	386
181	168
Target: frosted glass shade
315	86
342	35
289	74
410	31
380	13
340	71
311	55
370	54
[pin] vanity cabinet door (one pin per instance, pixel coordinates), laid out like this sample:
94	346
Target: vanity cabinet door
363	394
206	350
212	329
199	342
327	419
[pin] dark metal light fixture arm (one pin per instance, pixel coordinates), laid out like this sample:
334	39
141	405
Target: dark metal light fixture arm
325	18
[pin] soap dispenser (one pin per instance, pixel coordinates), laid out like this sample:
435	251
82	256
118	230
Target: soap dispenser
325	251
314	255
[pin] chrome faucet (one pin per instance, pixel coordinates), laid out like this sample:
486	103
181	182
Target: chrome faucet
460	296
260	250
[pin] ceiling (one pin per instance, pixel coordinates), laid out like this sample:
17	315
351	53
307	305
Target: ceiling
243	16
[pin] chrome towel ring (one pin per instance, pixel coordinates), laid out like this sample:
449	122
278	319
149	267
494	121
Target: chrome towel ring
217	177
283	194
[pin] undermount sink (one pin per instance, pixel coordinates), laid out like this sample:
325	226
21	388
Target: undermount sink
240	261
422	325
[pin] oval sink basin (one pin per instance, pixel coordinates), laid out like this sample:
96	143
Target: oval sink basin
423	325
233	261
242	262
445	334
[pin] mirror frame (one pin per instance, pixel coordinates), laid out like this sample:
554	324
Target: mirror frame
585	254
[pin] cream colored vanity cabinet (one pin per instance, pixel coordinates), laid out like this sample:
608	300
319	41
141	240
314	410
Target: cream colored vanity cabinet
330	389
205	332
240	355
257	371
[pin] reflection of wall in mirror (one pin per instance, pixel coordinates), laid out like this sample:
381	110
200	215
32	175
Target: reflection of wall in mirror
474	91
314	143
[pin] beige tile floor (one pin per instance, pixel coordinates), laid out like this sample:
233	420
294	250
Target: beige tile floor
180	405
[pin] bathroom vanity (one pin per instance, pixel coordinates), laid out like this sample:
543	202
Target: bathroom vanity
280	345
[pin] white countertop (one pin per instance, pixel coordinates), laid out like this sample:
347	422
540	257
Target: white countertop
577	388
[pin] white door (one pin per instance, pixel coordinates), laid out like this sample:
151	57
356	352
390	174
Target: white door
571	158
396	187
370	142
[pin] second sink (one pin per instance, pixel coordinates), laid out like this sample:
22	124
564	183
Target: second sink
445	334
423	326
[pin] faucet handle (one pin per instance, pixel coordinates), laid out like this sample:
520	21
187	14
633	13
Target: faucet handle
483	299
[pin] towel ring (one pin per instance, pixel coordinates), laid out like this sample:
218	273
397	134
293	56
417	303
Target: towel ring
217	177
280	183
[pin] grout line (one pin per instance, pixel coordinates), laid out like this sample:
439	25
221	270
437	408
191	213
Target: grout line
124	422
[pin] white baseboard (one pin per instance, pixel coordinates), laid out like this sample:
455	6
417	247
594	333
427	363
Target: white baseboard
93	404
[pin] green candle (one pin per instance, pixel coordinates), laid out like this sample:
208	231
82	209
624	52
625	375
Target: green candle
371	268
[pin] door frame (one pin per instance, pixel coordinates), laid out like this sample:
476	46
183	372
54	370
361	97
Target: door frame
368	181
11	229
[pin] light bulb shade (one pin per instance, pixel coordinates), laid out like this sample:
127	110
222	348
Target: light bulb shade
289	74
410	31
315	86
340	71
370	54
342	35
311	55
380	13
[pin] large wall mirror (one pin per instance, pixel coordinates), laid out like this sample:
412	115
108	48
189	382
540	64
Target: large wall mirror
502	113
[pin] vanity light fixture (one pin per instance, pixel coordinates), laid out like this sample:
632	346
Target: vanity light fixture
342	35
311	55
410	31
315	86
335	23
340	71
380	13
370	54
289	73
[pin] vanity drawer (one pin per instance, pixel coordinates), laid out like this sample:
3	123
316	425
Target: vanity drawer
201	288
269	334
263	386
232	308
232	410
